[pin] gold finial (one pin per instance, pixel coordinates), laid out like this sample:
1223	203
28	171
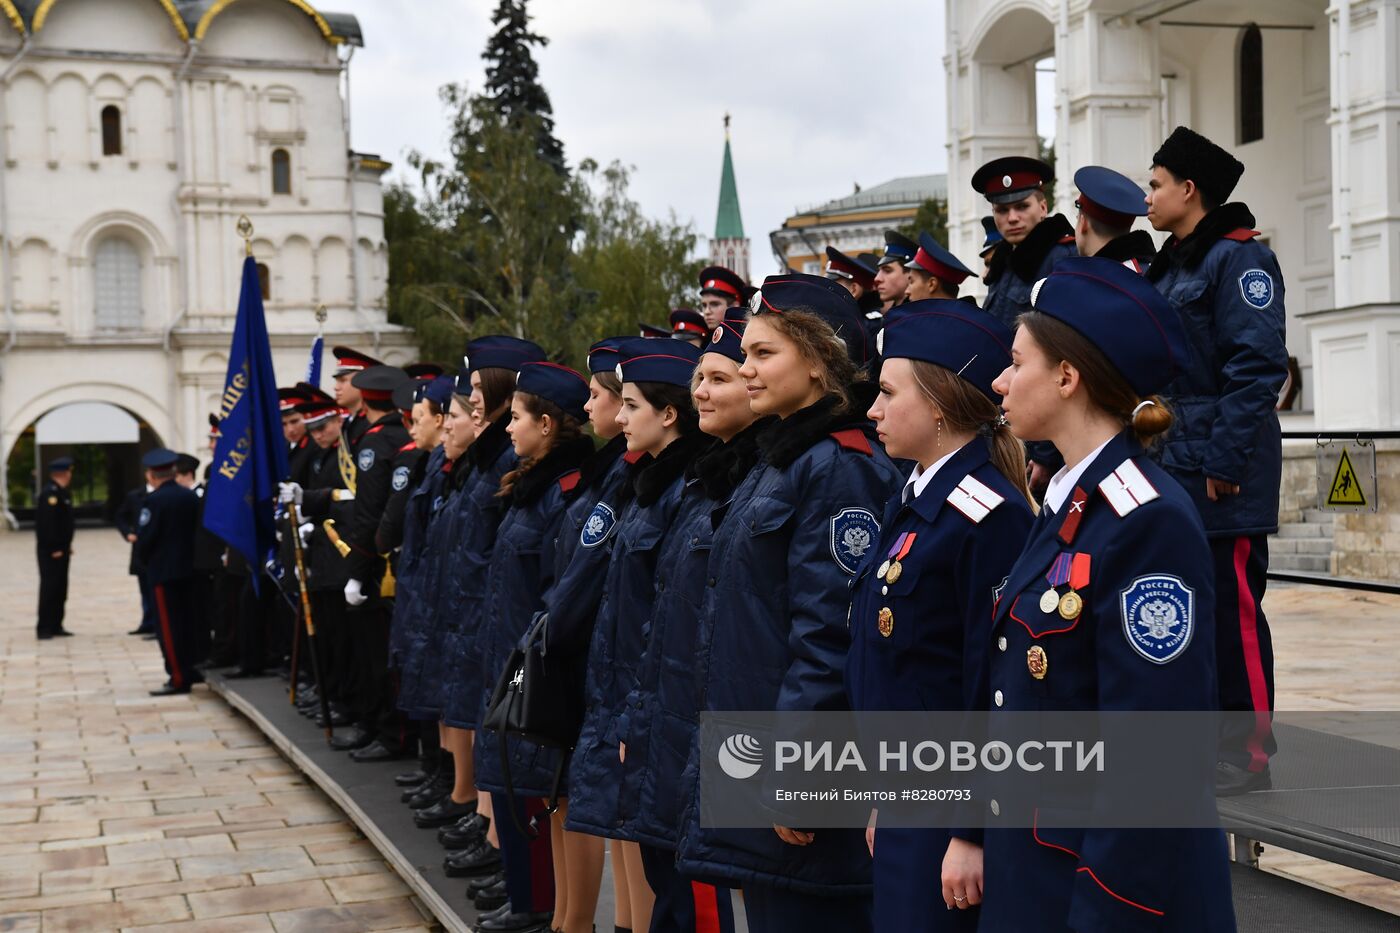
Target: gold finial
320	314
245	230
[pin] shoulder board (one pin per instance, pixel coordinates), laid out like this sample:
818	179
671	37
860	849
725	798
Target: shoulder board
1242	235
632	456
1067	238
374	430
1136	266
974	498
407	447
1126	488
569	480
853	439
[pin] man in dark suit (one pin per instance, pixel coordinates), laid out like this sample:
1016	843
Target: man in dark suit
128	514
165	546
53	540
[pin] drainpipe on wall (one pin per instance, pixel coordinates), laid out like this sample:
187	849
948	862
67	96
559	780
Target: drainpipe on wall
180	230
11	324
352	170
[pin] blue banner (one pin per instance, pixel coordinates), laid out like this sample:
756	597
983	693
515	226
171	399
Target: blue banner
251	456
313	365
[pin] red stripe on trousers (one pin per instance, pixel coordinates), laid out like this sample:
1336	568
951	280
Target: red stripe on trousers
176	680
706	907
1253	660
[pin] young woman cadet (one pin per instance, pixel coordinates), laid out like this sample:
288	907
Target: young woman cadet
773	635
1122	547
921	616
580	564
657	419
546	430
660	716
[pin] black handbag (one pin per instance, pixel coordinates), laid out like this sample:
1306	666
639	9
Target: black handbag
539	698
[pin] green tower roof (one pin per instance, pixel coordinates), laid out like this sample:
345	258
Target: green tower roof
729	224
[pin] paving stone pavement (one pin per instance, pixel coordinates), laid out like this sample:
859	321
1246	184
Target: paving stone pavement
122	811
119	811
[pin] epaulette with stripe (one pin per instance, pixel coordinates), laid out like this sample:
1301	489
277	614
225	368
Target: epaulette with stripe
409	446
1126	488
974	498
569	480
853	439
1067	238
1241	235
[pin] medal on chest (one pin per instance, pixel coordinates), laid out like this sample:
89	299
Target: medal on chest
1071	569
891	570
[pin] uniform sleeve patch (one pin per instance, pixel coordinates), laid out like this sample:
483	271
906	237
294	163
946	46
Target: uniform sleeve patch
1257	288
400	481
1159	616
599	525
145	518
853	533
365	459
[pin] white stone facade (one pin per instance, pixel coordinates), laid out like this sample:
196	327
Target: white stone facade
135	132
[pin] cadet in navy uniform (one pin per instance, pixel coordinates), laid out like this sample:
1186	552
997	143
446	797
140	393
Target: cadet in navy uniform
892	279
53	542
990	241
546	432
1108	204
719	289
1035	240
165	547
1070	632
689	325
921	617
658	419
773	636
1225	447
349	362
934	272
858	278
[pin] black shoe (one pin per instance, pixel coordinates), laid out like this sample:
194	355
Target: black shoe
244	673
516	923
169	690
495	913
1231	780
443	812
410	778
376	751
45	636
430	793
149	636
346	741
492	896
142	631
430	782
479	884
339	719
469	863
63	633
465	833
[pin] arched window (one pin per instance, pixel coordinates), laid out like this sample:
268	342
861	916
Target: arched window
1250	85
117	284
281	172
264	281
111	130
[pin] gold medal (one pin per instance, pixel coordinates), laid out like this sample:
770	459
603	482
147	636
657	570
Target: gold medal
886	624
1071	604
884	569
893	574
1036	662
1049	600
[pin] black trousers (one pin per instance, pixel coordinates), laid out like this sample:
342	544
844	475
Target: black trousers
373	701
53	592
176	618
1244	651
328	616
228	595
683	905
255	615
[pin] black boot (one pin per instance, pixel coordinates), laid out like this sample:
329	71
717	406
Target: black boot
492	896
516	923
355	738
443	812
433	791
465	832
481	859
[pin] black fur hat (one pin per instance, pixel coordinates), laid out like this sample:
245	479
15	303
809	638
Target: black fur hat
1188	154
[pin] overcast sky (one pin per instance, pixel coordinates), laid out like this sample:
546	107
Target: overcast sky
822	97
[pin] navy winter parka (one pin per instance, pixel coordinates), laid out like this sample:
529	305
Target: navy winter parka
421	485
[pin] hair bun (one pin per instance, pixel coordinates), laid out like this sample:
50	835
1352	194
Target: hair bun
1150	418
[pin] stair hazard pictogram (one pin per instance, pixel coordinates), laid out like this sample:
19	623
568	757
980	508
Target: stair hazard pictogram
1346	488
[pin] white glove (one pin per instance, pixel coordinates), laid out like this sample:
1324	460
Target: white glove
289	492
305	532
353	596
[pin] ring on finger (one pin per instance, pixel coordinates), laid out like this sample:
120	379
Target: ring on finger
958	899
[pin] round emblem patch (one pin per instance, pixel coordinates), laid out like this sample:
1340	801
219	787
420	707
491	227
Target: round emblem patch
717	336
853	533
598	526
1257	288
366	458
1159	616
400	481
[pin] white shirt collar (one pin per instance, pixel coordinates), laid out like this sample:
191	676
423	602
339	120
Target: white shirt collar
920	481
1063	482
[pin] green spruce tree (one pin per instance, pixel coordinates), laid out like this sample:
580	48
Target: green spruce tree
513	79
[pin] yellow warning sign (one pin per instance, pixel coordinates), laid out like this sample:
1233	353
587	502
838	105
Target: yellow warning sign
1346	488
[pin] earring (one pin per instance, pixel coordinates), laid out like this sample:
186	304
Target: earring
544	430
938	441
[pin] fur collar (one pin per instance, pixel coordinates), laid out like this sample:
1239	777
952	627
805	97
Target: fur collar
652	481
486	449
1024	260
592	470
1189	252
722	467
536	479
789	438
1134	245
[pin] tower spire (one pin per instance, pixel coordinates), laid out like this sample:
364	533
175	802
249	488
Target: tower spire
729	247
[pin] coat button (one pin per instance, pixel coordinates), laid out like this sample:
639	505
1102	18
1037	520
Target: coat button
884	590
996	808
711	581
1001	643
695	540
998	698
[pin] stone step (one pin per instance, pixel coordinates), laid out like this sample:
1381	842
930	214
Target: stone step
1302	563
1304	530
1319	517
1280	545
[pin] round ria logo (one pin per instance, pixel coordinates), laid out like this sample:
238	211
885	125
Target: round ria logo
741	756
